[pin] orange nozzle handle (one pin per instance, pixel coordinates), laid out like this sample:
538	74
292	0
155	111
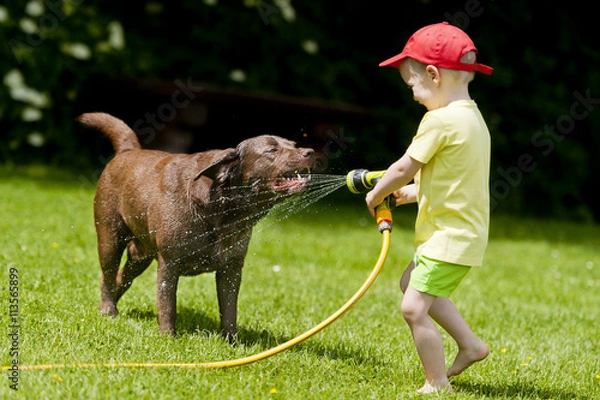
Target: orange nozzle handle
383	213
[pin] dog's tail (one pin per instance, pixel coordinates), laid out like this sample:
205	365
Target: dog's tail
120	135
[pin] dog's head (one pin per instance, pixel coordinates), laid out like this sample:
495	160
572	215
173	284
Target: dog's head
265	164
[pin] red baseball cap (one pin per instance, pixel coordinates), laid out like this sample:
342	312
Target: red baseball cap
441	45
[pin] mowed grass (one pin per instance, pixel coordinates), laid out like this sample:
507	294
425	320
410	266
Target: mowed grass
536	302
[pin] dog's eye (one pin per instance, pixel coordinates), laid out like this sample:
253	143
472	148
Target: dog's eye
272	150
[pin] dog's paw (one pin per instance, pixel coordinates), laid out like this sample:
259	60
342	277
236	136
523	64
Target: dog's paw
232	338
168	332
108	309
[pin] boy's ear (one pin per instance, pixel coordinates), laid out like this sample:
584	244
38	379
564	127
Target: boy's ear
433	73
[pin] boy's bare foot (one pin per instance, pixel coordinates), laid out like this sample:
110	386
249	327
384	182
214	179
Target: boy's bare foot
467	357
429	388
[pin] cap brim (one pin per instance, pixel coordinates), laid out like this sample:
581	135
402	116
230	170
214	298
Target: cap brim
394	61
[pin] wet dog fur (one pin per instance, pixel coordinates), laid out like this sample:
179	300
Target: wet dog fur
193	213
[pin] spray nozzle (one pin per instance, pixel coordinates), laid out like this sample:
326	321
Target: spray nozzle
362	181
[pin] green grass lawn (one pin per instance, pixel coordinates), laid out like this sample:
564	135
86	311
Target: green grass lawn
536	302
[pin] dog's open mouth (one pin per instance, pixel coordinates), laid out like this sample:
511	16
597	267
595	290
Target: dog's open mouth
295	182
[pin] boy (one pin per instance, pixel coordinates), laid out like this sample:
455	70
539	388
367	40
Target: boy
449	160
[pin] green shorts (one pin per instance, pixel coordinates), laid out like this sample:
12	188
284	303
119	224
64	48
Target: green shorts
437	278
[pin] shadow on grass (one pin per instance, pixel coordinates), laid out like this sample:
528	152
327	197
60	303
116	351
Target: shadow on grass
192	322
516	390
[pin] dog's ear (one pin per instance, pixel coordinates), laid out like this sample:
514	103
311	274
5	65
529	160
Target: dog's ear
219	169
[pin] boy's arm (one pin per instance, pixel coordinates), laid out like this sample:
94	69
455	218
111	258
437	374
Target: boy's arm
397	175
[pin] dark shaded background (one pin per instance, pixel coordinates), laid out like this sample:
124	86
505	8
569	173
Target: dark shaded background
541	103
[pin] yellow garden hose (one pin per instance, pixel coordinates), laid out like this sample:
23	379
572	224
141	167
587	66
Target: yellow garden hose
259	356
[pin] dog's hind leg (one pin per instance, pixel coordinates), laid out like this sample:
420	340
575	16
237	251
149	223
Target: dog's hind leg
137	262
111	244
110	260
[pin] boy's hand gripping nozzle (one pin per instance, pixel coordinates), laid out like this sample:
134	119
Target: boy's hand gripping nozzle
362	181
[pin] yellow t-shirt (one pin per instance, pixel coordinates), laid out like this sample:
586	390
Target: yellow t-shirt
453	186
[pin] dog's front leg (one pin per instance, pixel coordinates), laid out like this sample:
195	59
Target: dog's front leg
228	287
166	296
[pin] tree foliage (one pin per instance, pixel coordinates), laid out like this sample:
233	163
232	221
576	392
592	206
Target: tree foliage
541	103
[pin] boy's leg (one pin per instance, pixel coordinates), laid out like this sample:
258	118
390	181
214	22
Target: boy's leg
415	309
470	348
443	311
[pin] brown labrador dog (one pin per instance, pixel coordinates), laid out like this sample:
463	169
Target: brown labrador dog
194	213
